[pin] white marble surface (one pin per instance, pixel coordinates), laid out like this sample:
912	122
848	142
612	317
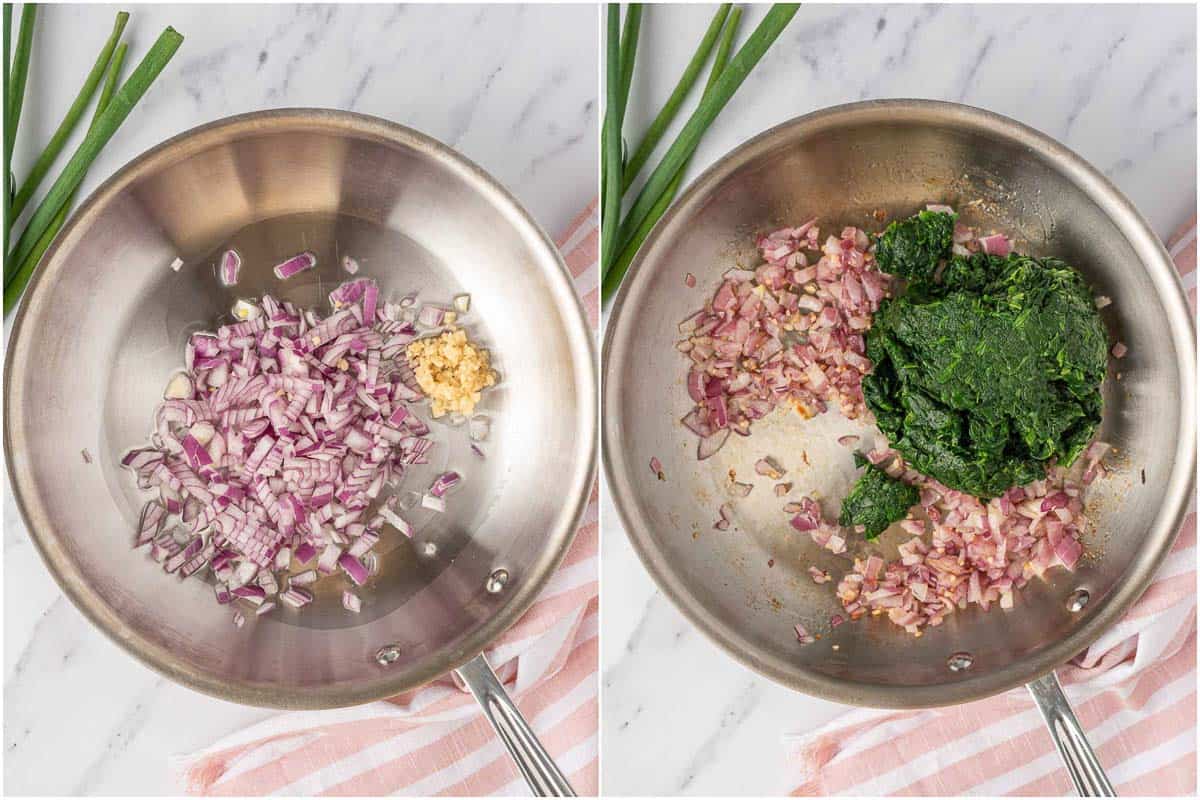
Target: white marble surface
1115	83
511	87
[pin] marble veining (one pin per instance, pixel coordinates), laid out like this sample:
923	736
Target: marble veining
511	87
1117	84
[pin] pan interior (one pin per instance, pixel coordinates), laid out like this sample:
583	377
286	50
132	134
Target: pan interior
106	325
748	586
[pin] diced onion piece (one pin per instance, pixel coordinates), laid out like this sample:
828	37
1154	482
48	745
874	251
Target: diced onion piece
296	597
462	302
351	601
295	265
229	267
304	578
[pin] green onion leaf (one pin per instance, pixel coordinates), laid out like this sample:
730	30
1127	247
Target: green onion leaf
74	114
685	144
14	88
629	45
610	155
106	93
118	109
630	249
19	74
659	126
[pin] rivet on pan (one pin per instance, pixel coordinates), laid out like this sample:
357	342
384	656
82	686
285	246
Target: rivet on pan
429	549
388	655
496	581
1078	600
960	662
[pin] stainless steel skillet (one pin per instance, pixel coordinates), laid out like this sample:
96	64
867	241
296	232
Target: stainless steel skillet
104	322
745	588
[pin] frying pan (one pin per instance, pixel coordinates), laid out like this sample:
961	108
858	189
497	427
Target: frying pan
841	164
104	322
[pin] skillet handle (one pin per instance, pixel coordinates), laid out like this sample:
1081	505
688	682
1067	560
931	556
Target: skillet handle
1086	772
535	764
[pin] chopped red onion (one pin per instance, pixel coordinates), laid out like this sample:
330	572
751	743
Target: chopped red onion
396	521
305	553
350	265
303	578
444	483
996	244
431	316
689	280
770	468
802	634
354	568
231	264
327	563
657	468
351	601
745	360
277	438
1119	350
296	597
239	619
295	265
433	502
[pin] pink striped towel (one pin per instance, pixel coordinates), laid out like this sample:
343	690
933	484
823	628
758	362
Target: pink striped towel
434	740
1134	692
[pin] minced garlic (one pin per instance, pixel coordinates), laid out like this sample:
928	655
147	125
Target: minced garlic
450	371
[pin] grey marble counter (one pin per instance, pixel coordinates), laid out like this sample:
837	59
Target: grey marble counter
1117	84
80	715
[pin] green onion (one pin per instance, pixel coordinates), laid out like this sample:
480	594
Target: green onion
611	135
629	44
685	144
118	109
14	88
661	122
19	74
106	93
9	132
630	249
74	114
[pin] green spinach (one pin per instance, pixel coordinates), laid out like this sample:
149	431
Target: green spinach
876	500
911	248
985	374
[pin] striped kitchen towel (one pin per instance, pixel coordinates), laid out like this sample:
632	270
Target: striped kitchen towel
434	740
1134	692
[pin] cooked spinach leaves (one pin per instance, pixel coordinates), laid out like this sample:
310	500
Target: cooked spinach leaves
911	248
984	375
876	501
